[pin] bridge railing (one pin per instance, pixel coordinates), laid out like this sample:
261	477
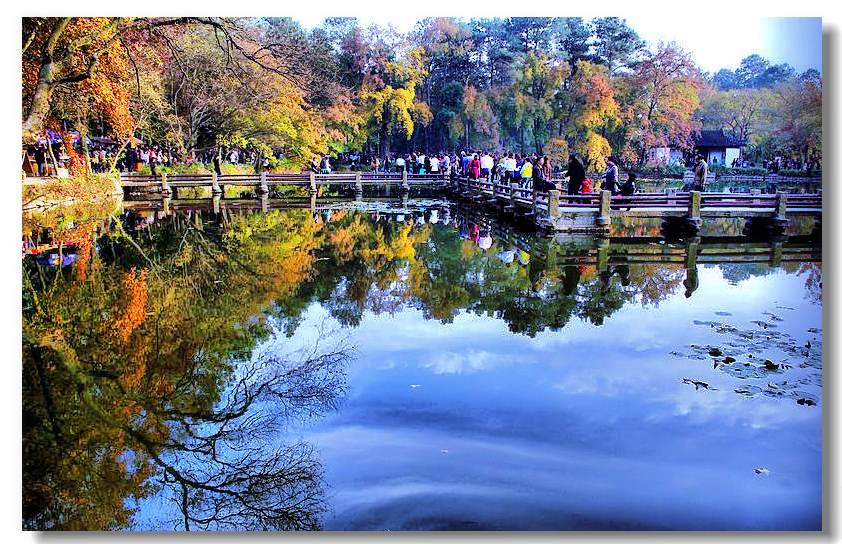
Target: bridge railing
285	178
667	199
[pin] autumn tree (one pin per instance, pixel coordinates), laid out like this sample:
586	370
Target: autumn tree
801	117
663	94
537	80
592	110
388	98
744	112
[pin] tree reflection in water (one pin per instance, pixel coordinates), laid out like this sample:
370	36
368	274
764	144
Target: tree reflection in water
139	375
138	382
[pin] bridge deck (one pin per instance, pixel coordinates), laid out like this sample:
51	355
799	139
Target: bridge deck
571	213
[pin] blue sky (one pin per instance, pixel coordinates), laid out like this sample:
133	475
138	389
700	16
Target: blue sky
796	40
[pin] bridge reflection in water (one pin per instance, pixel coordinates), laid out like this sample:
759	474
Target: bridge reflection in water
610	255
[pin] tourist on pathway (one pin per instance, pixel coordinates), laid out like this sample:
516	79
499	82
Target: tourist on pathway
434	165
41	160
153	163
547	169
576	172
486	164
475	167
509	166
526	175
324	166
542	182
629	187
612	176
700	174
216	166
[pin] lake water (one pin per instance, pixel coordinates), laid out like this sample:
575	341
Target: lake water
428	368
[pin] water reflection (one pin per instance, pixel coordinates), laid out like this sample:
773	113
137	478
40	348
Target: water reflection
178	373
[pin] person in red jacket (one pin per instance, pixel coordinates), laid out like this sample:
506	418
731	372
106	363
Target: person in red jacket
475	167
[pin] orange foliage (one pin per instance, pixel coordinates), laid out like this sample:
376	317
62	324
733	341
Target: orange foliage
134	313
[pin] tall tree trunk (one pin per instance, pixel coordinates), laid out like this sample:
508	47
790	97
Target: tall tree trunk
52	155
384	137
467	132
82	128
40	107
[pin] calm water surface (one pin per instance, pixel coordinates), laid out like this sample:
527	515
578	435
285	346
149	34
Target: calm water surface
489	378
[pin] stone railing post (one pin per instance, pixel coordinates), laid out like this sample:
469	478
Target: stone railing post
264	185
215	188
405	181
694	208
358	183
313	188
552	204
604	217
780	207
165	186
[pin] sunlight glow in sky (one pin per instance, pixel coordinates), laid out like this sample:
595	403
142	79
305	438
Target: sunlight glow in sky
796	40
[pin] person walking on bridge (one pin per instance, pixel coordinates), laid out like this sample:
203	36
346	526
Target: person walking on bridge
474	167
486	163
526	171
576	172
700	174
612	177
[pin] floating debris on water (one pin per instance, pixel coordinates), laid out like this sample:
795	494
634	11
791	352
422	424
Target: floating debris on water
776	354
764	324
698	384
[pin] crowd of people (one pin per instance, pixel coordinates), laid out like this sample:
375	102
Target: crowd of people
808	165
524	171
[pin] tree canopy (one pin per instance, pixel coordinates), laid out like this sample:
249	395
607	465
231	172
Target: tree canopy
288	93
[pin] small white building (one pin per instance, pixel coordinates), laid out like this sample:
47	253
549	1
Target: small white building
717	148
